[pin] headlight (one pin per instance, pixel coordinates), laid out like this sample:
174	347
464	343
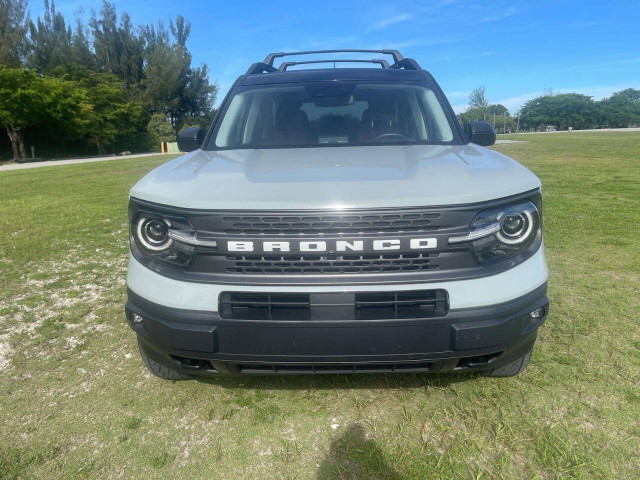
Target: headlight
153	233
501	232
517	226
164	237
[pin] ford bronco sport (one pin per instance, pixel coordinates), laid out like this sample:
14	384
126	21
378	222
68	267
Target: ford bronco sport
336	220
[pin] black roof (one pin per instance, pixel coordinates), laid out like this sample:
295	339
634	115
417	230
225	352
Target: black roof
402	69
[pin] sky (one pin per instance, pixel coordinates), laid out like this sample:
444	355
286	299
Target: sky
516	50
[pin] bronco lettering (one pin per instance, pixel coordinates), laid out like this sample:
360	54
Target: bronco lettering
332	246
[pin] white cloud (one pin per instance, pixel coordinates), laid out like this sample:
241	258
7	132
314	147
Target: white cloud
496	18
403	17
438	5
425	42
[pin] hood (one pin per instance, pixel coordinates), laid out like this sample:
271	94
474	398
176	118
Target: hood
335	178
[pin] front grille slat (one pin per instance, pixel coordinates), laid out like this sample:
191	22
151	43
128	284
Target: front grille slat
334	306
298	265
330	225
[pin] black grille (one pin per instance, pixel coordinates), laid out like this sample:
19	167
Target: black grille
334	306
284	369
330	224
296	265
265	306
412	304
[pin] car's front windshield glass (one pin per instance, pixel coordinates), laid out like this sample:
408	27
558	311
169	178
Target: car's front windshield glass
333	114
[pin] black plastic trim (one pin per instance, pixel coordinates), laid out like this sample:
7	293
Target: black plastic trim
469	334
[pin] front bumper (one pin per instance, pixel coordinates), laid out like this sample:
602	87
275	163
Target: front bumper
200	342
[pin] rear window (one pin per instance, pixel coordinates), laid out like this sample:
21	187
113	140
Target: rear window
333	114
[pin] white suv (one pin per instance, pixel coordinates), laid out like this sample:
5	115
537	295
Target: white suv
336	220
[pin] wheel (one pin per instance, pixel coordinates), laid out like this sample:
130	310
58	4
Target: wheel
158	369
512	369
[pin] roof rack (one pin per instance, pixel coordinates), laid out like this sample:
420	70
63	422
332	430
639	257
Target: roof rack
383	63
266	66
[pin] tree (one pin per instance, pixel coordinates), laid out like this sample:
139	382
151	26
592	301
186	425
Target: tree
27	99
477	98
14	24
118	49
180	30
620	110
81	53
110	115
476	113
160	129
114	75
21	102
164	79
562	110
498	109
172	86
50	40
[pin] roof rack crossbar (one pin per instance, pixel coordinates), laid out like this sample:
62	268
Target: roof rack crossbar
397	56
383	63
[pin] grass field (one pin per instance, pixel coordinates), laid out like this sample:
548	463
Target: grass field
76	402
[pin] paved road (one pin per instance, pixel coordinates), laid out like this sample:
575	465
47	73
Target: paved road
632	129
72	161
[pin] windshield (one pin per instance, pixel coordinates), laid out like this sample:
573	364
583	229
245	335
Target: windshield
333	114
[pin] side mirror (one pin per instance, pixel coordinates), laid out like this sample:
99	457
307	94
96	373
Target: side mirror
190	139
481	133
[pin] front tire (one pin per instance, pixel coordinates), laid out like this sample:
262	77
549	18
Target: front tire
159	370
512	369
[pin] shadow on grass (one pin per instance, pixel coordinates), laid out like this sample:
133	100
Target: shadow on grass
353	456
343	382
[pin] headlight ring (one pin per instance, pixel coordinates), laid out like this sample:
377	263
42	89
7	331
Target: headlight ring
153	233
515	228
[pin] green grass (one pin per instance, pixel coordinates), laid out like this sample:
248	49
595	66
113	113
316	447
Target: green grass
76	401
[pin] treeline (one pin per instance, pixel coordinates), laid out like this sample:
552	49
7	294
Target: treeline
563	110
104	87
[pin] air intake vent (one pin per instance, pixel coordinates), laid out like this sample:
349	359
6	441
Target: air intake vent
265	306
415	304
334	306
261	369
